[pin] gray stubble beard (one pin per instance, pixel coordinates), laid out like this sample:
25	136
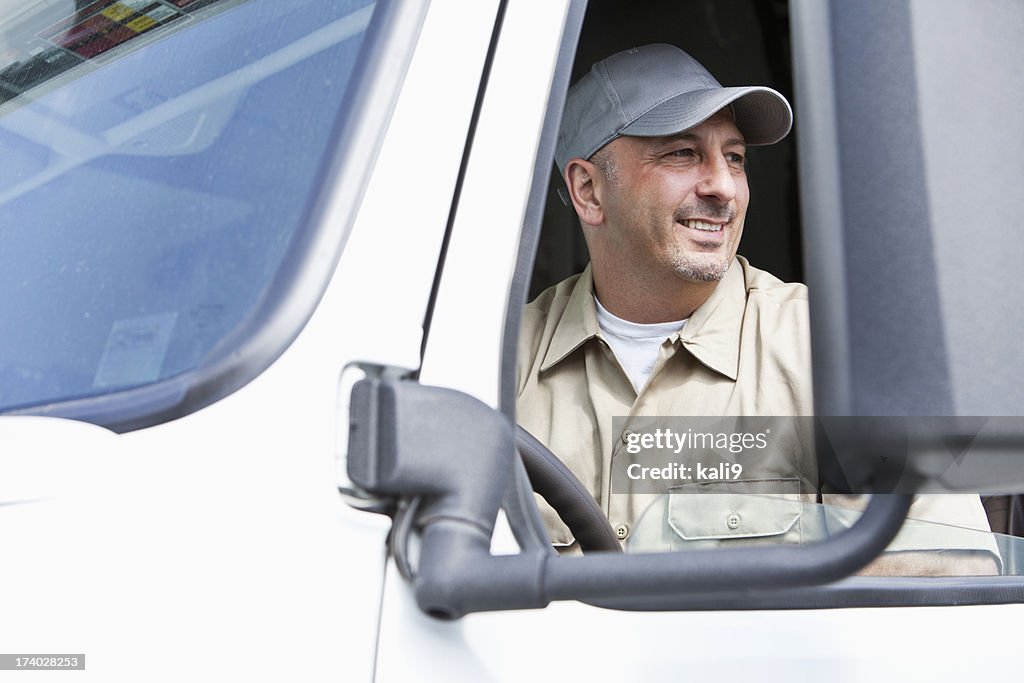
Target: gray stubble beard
690	269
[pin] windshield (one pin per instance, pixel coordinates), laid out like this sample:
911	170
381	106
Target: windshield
158	159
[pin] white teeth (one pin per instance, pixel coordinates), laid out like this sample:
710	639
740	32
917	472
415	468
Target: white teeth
701	225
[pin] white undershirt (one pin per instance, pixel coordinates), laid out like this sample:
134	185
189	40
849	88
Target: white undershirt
635	345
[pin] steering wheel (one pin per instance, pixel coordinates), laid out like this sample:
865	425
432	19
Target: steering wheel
566	494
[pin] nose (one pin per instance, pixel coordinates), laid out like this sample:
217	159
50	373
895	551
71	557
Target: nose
718	180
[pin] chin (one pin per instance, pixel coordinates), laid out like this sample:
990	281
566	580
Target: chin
702	269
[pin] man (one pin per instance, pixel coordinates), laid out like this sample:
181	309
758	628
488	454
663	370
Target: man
667	319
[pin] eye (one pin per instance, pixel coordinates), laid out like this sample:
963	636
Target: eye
735	159
683	153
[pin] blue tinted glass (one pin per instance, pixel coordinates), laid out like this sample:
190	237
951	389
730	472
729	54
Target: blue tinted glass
148	193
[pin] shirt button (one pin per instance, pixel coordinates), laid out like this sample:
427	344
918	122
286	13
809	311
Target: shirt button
732	521
626	434
621	532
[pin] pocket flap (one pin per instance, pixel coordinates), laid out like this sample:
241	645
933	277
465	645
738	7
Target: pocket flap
734	509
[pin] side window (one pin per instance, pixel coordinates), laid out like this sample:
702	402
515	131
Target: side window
617	358
739	43
160	164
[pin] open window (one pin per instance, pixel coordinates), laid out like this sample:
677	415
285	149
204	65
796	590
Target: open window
741	43
875	354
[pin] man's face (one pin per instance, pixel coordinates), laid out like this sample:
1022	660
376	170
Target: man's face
677	202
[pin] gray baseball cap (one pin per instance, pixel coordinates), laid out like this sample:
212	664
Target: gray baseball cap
660	90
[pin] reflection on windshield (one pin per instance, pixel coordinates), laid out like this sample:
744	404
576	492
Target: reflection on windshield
154	173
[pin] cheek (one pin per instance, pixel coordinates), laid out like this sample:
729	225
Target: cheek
661	197
646	205
742	194
636	205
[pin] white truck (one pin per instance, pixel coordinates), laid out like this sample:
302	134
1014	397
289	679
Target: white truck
261	267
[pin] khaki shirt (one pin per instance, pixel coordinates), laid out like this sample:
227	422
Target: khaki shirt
745	351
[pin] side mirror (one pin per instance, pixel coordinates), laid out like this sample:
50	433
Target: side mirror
456	453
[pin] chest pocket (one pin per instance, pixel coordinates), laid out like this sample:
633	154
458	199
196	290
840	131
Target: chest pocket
743	512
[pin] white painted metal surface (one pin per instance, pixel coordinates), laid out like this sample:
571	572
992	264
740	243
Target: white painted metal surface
569	641
470	310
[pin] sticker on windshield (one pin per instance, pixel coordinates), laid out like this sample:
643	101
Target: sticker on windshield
105	24
135	350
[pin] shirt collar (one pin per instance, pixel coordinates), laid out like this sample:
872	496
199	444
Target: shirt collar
711	335
578	321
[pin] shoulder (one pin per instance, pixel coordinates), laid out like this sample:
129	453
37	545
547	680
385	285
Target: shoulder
779	313
541	315
775	343
554	299
538	324
776	304
766	288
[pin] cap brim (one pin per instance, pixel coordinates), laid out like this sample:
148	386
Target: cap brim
762	115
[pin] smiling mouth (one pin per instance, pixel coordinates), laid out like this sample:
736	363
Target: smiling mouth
704	226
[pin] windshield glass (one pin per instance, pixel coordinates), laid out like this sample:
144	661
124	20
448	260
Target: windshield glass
158	159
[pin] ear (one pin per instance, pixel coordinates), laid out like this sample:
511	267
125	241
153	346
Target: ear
580	178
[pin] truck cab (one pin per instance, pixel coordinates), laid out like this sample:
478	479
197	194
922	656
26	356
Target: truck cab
262	273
